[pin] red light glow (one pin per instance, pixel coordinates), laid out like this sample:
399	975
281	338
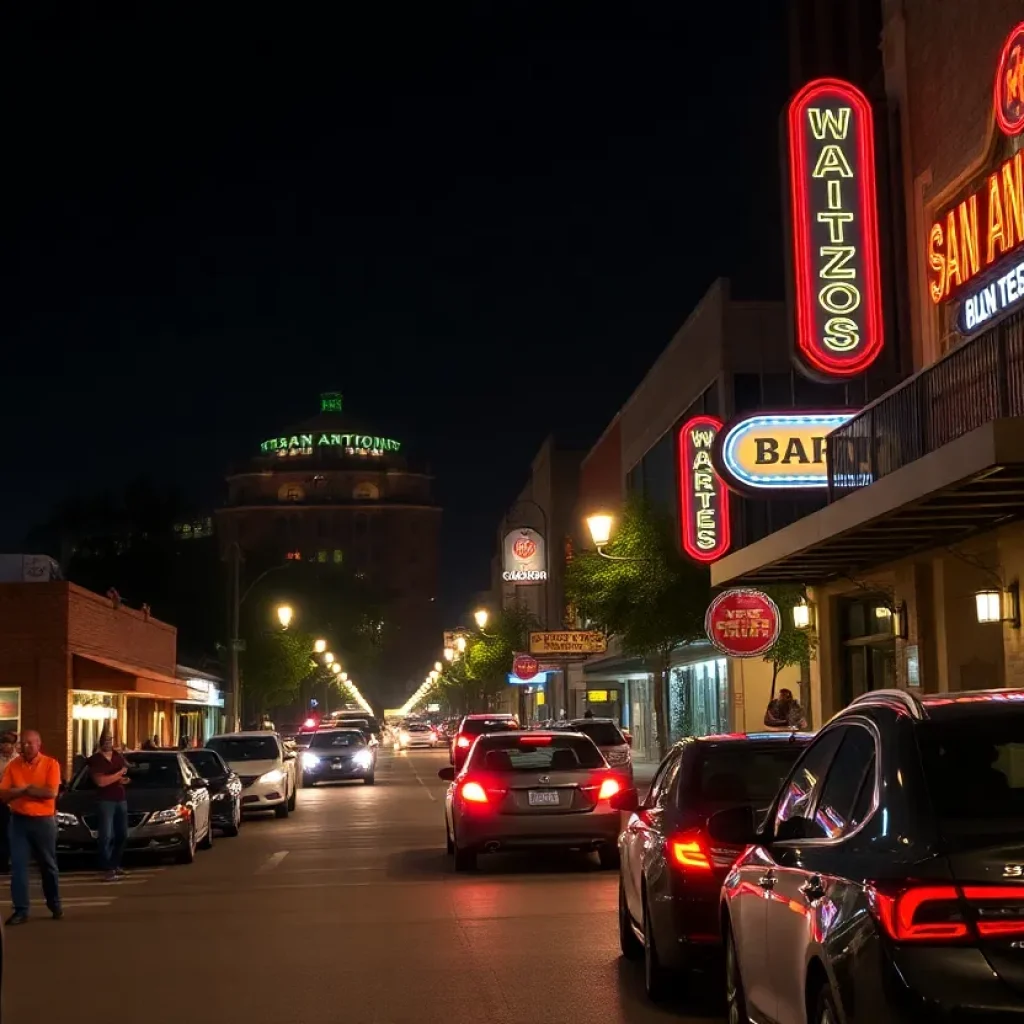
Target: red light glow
1009	88
474	793
688	851
535	740
463	741
309	723
896	912
703	496
608	789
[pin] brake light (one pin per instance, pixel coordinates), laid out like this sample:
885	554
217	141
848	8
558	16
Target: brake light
689	851
924	913
1005	925
474	793
535	740
462	741
608	789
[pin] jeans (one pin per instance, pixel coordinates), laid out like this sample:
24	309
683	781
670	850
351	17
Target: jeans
113	832
33	836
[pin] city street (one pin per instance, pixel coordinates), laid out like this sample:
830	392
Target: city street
347	911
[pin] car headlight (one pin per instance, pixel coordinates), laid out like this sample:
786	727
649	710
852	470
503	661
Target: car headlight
363	758
308	760
274	775
66	820
168	817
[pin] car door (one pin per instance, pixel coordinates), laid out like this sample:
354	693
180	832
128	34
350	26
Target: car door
200	797
810	886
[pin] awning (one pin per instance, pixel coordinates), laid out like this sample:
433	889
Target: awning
92	672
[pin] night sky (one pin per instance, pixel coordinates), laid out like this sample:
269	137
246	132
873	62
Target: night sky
480	221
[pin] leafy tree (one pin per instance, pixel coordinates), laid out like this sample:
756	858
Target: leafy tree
274	665
654	599
794	646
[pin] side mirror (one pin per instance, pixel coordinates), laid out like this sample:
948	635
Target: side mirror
199	784
289	755
625	800
446	774
736	826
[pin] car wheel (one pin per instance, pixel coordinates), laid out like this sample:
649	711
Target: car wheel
308	782
465	860
292	800
825	1011
207	840
187	854
369	780
656	978
632	948
608	854
735	1001
281	810
236	820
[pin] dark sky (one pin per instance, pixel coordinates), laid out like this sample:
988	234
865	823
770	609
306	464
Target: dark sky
480	221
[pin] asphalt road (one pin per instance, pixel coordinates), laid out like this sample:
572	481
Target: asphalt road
349	911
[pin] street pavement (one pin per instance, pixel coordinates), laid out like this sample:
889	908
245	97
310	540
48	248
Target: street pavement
348	911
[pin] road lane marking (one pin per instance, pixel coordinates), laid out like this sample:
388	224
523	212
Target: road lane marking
420	781
271	862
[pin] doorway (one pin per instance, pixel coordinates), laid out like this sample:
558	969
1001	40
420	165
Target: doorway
869	646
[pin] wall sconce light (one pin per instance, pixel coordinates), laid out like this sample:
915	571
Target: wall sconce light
802	614
993	605
900	623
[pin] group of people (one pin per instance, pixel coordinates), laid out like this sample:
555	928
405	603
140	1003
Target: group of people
29	787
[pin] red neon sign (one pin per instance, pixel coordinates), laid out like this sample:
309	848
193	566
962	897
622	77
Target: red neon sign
703	497
1009	90
834	213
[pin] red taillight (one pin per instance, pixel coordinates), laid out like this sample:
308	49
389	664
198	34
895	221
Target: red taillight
463	741
535	741
689	851
608	789
923	913
474	793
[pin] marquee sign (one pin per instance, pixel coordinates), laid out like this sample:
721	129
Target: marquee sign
777	451
834	215
1009	91
703	498
306	444
524	557
743	623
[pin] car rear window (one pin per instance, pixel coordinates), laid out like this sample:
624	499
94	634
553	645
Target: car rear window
478	726
739	774
974	769
524	753
604	734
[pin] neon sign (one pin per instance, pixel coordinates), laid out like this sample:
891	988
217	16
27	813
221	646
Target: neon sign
834	213
306	444
704	500
781	451
1009	98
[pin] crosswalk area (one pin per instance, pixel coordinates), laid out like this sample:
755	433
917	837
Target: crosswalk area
84	888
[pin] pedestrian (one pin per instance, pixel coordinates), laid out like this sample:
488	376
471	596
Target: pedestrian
8	740
29	787
149	744
109	771
588	713
784	712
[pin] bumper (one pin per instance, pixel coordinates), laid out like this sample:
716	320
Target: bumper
337	773
145	839
420	744
222	812
582	829
264	796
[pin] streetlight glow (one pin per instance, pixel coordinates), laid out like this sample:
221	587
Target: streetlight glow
434	675
328	658
460	644
284	615
438	666
320	646
481	617
344	676
449	654
336	668
600	527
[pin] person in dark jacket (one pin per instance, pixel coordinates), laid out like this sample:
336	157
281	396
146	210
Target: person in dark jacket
785	712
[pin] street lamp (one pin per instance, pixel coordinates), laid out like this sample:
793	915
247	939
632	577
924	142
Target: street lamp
336	668
284	615
438	666
434	675
328	658
320	646
460	644
481	617
344	676
600	526
449	654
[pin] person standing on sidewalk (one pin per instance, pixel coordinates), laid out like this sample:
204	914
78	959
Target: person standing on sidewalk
29	788
7	754
109	771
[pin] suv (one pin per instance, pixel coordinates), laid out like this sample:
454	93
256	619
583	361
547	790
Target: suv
887	880
476	725
266	770
610	741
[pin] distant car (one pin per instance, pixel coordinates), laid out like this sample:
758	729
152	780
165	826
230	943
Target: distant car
525	789
477	725
672	871
338	755
266	770
612	743
417	734
169	808
225	789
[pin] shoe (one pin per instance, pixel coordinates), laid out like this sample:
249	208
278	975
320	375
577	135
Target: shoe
16	919
120	872
111	876
57	913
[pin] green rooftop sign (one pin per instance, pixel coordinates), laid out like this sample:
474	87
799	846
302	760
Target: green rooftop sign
351	444
330	401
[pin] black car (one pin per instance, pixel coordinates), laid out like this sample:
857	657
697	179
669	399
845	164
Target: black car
225	789
168	808
887	881
339	755
670	872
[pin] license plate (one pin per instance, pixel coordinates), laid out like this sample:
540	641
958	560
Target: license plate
339	767
543	798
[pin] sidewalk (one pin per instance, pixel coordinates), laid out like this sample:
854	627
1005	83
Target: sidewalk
643	772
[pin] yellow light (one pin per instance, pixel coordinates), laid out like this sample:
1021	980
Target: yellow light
438	666
328	658
460	644
481	617
284	615
449	654
335	668
802	614
989	604
600	527
344	677
320	646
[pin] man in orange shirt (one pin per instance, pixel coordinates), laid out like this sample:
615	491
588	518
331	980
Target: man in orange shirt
29	788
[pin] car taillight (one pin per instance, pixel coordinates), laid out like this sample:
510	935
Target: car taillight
689	851
474	793
935	913
462	741
608	789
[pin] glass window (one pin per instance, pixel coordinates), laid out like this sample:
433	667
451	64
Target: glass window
662	779
245	748
731	773
146	771
841	797
797	796
604	734
524	753
777	390
337	557
206	762
746	392
344	738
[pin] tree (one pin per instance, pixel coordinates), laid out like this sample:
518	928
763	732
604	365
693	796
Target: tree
654	600
274	665
794	646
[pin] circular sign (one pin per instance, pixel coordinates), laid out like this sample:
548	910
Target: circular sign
1009	101
743	623
525	548
525	666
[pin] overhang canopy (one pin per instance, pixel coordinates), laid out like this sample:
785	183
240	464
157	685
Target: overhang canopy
91	672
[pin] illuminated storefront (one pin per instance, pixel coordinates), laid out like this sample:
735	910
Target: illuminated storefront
201	714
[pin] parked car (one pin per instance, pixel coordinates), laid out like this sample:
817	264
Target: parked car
887	881
525	790
417	734
339	755
266	770
225	789
472	726
612	743
671	872
169	808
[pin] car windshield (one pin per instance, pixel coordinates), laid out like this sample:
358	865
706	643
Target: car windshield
346	738
604	734
206	763
417	727
739	774
479	726
526	753
974	770
146	771
245	748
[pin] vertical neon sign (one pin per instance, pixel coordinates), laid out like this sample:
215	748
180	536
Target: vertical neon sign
703	497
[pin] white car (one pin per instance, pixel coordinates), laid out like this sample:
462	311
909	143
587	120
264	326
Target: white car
268	772
417	734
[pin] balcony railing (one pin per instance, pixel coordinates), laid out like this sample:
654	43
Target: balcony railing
981	381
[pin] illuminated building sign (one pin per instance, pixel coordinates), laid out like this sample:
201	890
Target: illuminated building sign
779	451
330	401
834	214
352	444
524	557
703	499
1009	92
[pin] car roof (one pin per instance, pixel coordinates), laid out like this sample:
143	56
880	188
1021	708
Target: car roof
497	714
158	752
242	735
730	739
938	706
583	721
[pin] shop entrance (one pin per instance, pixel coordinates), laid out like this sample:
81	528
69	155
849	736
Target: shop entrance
869	647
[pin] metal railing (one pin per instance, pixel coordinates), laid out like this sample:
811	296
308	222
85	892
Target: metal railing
980	381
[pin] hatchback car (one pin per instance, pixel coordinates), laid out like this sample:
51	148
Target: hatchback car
417	734
531	789
671	873
266	770
168	808
225	789
339	755
612	743
477	725
887	881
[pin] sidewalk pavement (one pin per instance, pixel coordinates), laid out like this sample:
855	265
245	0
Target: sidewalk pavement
643	772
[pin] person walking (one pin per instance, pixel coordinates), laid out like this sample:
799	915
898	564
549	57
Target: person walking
109	771
8	740
29	787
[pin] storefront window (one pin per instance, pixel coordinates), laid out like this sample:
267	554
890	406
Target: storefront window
699	699
90	713
10	710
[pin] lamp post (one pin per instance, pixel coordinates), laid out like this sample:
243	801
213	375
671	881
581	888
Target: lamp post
285	612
